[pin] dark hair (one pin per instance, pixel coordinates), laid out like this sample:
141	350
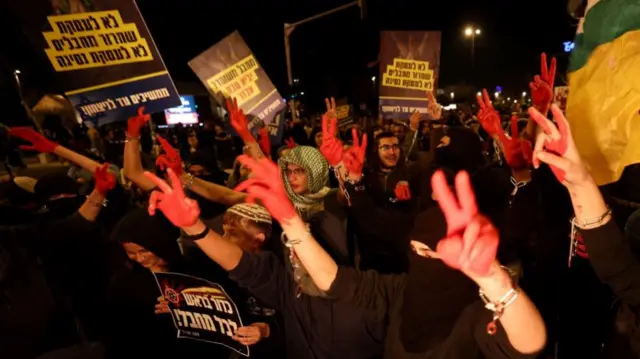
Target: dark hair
374	158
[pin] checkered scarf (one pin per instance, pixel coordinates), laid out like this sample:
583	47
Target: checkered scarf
317	169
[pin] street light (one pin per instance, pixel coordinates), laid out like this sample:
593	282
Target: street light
524	94
497	94
472	33
16	72
453	95
373	79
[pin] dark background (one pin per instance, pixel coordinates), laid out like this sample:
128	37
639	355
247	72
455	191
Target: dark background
330	55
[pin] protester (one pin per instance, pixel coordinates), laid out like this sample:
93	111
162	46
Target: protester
315	326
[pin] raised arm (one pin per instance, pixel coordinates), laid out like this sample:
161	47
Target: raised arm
240	124
609	253
41	144
183	212
471	246
133	169
104	182
261	273
268	187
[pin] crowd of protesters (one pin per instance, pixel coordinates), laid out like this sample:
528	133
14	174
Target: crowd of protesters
441	236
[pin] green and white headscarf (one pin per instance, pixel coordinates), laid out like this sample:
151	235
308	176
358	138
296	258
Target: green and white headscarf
317	169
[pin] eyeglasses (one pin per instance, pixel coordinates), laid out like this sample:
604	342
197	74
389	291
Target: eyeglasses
389	148
297	171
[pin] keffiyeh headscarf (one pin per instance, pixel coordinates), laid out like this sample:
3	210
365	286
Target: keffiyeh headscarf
317	169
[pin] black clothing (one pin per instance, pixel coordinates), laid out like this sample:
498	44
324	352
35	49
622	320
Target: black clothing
37	296
316	328
381	232
384	294
616	266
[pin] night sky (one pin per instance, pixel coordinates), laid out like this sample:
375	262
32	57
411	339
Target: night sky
330	55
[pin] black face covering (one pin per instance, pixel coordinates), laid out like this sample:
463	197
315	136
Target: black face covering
64	207
435	294
464	151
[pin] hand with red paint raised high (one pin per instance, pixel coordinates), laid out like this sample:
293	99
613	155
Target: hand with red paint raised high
488	117
38	141
517	151
354	157
174	204
170	159
239	121
557	149
134	124
267	186
331	147
542	85
290	142
264	141
104	181
472	241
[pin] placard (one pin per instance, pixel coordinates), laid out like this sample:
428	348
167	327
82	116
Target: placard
229	69
102	52
409	65
201	310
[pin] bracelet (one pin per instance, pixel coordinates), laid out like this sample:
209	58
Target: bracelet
198	236
131	138
189	183
289	243
102	203
499	306
352	182
592	221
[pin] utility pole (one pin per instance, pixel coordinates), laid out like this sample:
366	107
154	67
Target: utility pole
288	30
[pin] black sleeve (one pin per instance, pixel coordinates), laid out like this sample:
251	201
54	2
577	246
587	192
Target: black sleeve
495	346
366	289
614	262
47	235
372	218
265	277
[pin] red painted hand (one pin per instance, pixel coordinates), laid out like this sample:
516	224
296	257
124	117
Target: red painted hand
556	140
402	191
472	241
135	123
290	143
170	159
353	158
542	85
104	181
267	186
174	204
488	117
517	151
331	147
38	141
264	141
239	121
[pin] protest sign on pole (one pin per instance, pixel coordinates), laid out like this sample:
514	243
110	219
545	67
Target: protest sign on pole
409	65
201	310
229	69
344	114
102	52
